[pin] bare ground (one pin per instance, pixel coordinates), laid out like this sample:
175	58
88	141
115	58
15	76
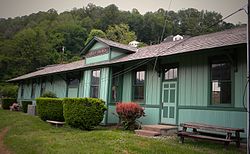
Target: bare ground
3	148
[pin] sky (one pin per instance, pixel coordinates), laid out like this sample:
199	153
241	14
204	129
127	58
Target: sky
14	8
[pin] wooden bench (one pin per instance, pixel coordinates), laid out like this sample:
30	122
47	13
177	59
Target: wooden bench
56	123
210	132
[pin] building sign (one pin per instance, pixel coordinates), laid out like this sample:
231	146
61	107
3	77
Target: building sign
97	52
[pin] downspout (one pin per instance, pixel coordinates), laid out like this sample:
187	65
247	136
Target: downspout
248	71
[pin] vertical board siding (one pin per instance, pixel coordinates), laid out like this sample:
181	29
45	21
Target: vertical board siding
87	80
38	89
127	87
152	116
27	90
152	87
240	80
97	46
112	116
104	80
59	86
193	81
81	85
72	92
221	118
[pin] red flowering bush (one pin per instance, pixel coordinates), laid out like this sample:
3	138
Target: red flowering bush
128	114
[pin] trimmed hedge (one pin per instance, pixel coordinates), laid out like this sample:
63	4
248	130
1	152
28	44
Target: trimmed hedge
7	102
50	109
25	105
83	113
49	94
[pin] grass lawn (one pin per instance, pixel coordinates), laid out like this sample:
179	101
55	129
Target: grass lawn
28	134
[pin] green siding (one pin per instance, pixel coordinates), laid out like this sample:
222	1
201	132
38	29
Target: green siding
38	90
222	118
127	87
112	115
72	92
87	80
49	85
59	86
115	54
152	87
104	84
96	59
81	85
97	46
152	116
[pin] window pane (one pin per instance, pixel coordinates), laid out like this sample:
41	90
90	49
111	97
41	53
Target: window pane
140	77
94	92
170	74
43	84
221	71
115	87
221	92
139	92
73	83
95	77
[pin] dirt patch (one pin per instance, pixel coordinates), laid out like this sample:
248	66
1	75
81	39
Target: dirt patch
3	148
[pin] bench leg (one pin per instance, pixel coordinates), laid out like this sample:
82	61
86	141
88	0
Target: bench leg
182	139
226	144
237	135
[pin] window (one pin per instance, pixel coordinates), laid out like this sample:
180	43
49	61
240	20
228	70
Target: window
43	86
170	73
95	81
221	81
73	82
22	90
115	89
33	89
138	85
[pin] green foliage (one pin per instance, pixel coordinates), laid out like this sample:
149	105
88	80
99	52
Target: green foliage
83	113
25	105
49	94
95	32
120	33
8	90
36	40
7	102
50	109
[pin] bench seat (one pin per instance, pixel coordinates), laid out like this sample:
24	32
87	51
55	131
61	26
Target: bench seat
199	136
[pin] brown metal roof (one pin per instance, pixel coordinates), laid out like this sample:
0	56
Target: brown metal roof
219	39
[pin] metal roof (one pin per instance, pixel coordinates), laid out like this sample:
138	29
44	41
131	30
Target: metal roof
214	40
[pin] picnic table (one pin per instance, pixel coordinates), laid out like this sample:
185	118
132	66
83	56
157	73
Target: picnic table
199	129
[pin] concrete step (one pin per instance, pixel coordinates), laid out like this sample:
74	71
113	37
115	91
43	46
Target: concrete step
164	130
147	133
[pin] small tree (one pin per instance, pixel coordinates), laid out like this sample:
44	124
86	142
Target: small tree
128	114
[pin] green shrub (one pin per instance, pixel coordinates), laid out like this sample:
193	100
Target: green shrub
83	113
8	90
7	102
25	105
50	109
49	94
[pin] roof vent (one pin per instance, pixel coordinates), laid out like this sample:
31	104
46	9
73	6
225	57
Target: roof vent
177	37
134	43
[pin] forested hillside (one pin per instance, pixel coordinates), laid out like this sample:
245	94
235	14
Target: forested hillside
36	40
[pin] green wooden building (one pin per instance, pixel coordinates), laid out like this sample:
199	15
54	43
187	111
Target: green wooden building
199	79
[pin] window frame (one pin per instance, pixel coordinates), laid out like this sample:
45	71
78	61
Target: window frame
95	85
219	59
171	66
142	101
